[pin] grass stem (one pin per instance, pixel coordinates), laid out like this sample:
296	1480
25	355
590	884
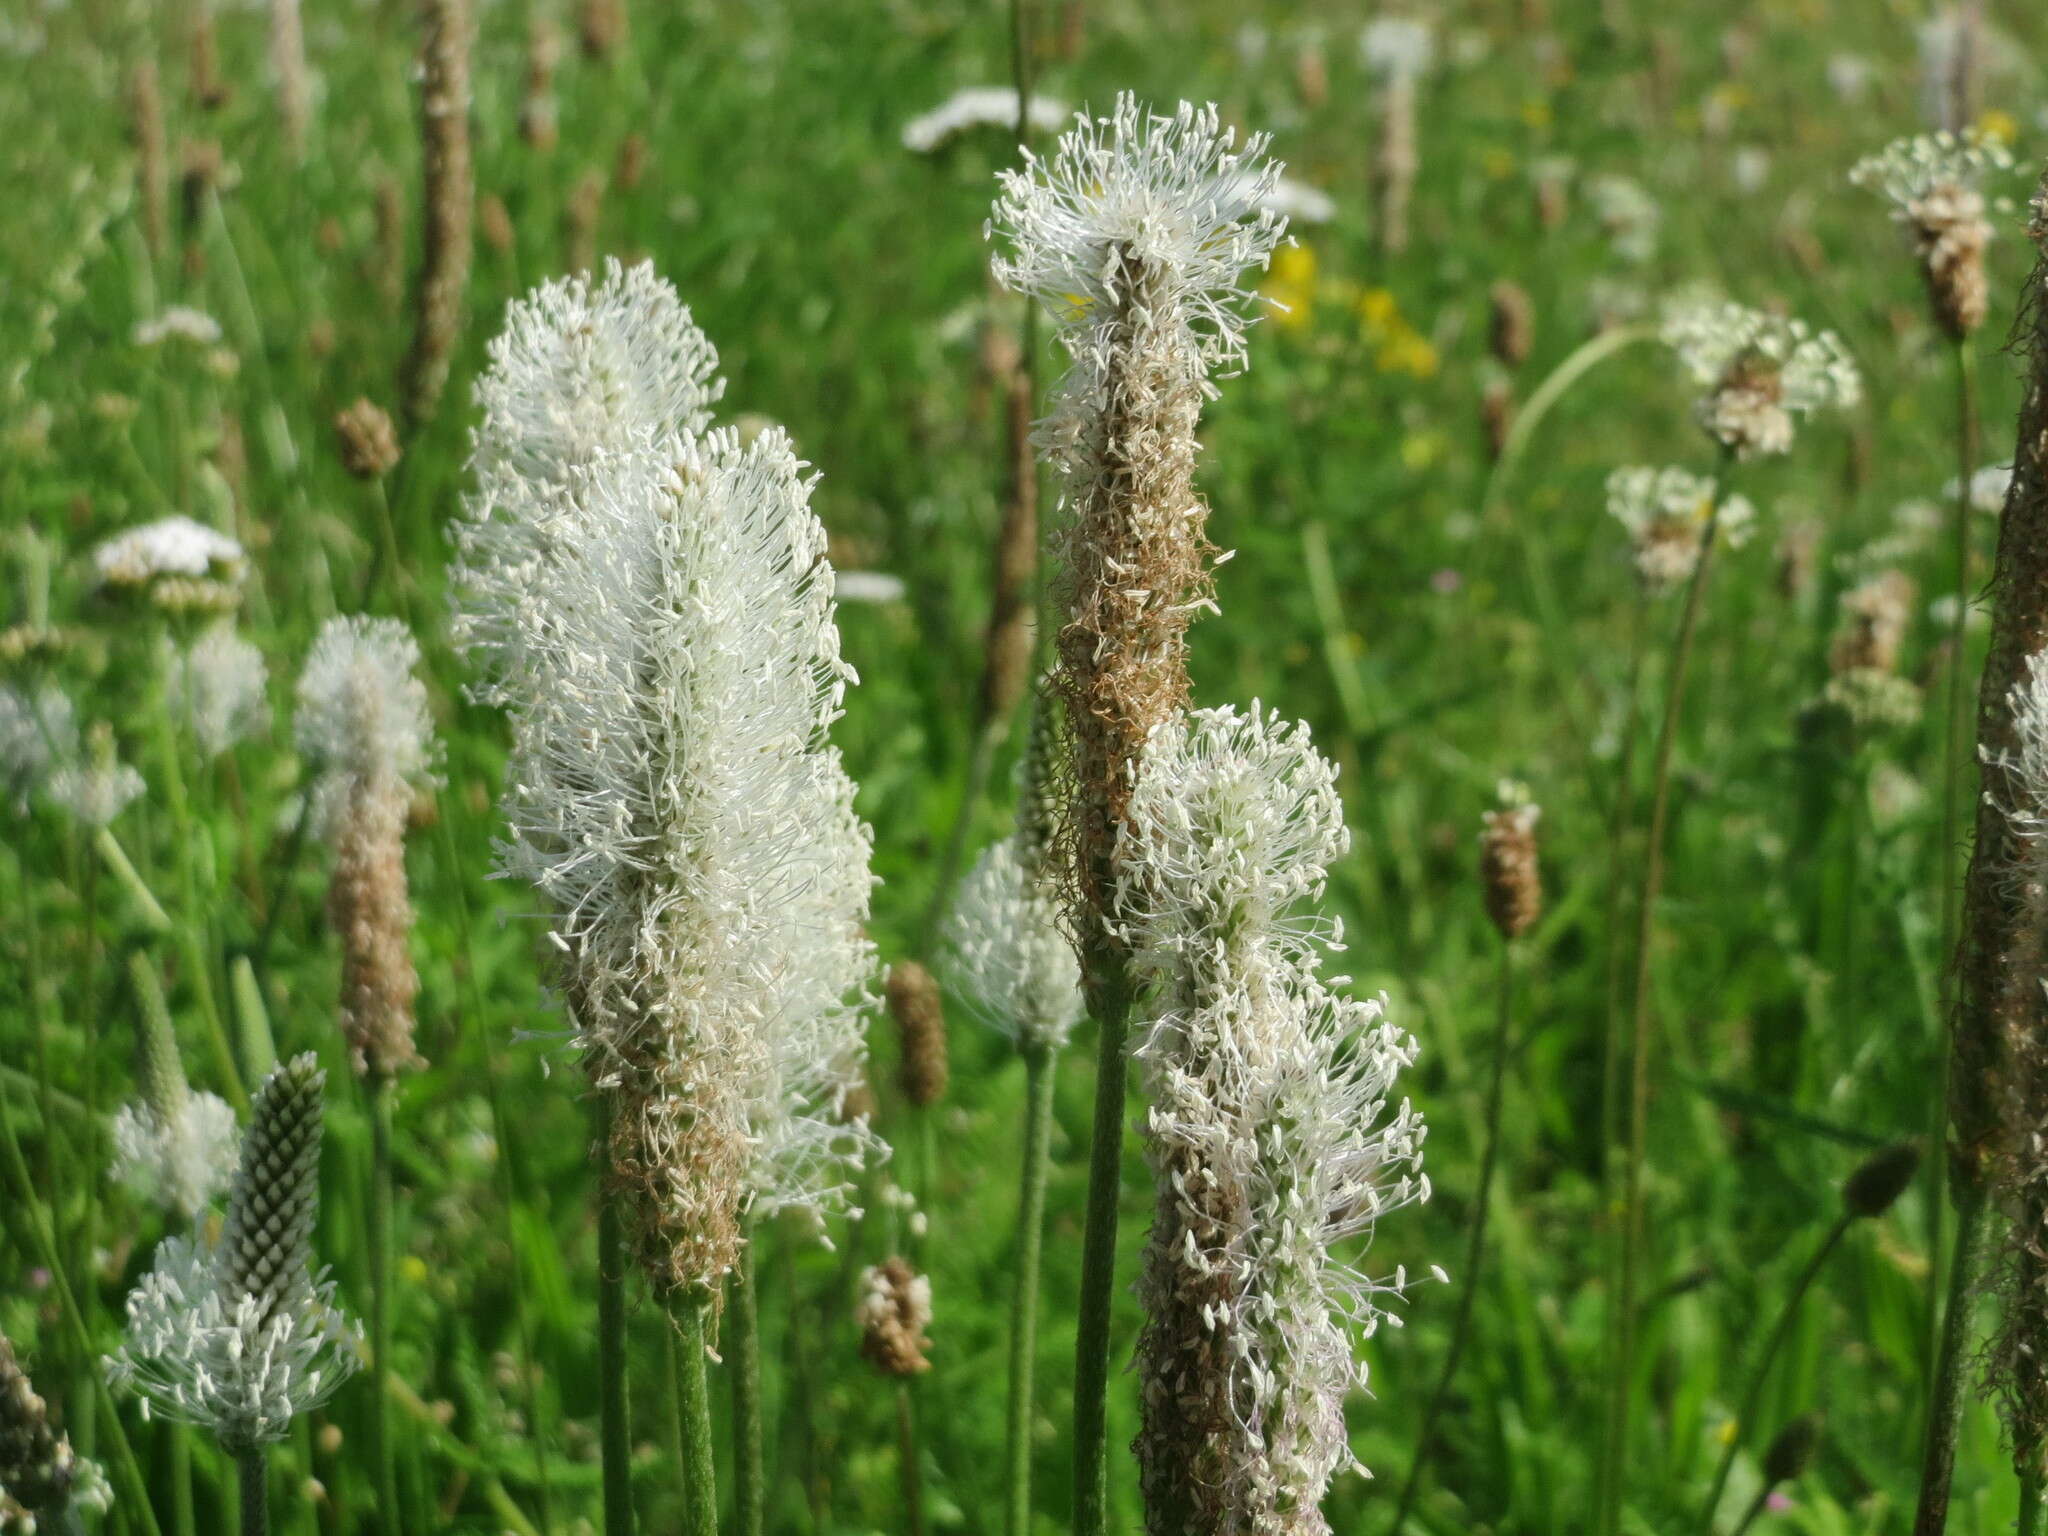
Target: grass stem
692	1315
381	1090
613	1430
749	1483
1039	1077
254	1479
1110	995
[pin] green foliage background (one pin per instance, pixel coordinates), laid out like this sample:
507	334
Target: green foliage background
1434	649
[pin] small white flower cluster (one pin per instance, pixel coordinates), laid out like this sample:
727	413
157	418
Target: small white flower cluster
979	106
1989	487
178	323
1397	47
1266	1084
1011	960
361	710
1907	170
176	563
1172	195
220	688
653	606
1757	370
1628	215
182	1160
1665	512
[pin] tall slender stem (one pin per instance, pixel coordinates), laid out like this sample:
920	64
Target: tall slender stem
750	1485
389	1519
613	1430
2030	1504
1952	1368
692	1315
183	1522
1475	1243
1753	1391
1110	992
1619	1420
1955	734
1039	1071
907	1462
254	1478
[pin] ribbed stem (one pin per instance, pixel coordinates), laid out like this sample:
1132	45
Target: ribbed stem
692	1315
1475	1243
1110	990
1619	1420
1952	1366
183	1521
750	1486
389	1519
1753	1392
1039	1076
613	1432
255	1486
1955	734
2030	1504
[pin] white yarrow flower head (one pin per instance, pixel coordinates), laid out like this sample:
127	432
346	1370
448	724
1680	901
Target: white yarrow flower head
176	563
656	614
1758	371
1666	512
1935	184
584	368
1011	959
1137	234
1397	47
982	106
220	687
178	323
1270	1132
238	1334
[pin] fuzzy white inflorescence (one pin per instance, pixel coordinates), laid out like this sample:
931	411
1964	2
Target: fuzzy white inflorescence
1758	371
219	688
1665	512
1136	235
171	546
37	731
183	1157
236	1332
1011	958
1268	1133
582	369
362	713
1935	184
654	609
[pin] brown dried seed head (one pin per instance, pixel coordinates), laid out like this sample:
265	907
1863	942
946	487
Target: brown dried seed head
1497	415
580	220
630	169
36	1464
1513	330
448	199
601	28
894	1310
1791	1450
1951	231
920	1015
1509	871
494	223
370	908
367	440
146	133
1881	1178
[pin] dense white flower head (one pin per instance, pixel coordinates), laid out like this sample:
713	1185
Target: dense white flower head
1397	47
1907	170
183	1160
37	731
178	323
585	368
1011	960
361	710
1174	196
1665	512
220	686
1268	1085
1758	371
979	106
658	621
175	546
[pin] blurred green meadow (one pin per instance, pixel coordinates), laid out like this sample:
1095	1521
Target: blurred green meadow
1441	626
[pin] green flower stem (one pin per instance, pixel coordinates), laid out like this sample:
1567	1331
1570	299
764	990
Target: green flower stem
255	1488
148	910
1040	1066
1753	1392
1953	1364
1621	1371
1109	990
749	1477
908	1466
381	1091
613	1431
692	1314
